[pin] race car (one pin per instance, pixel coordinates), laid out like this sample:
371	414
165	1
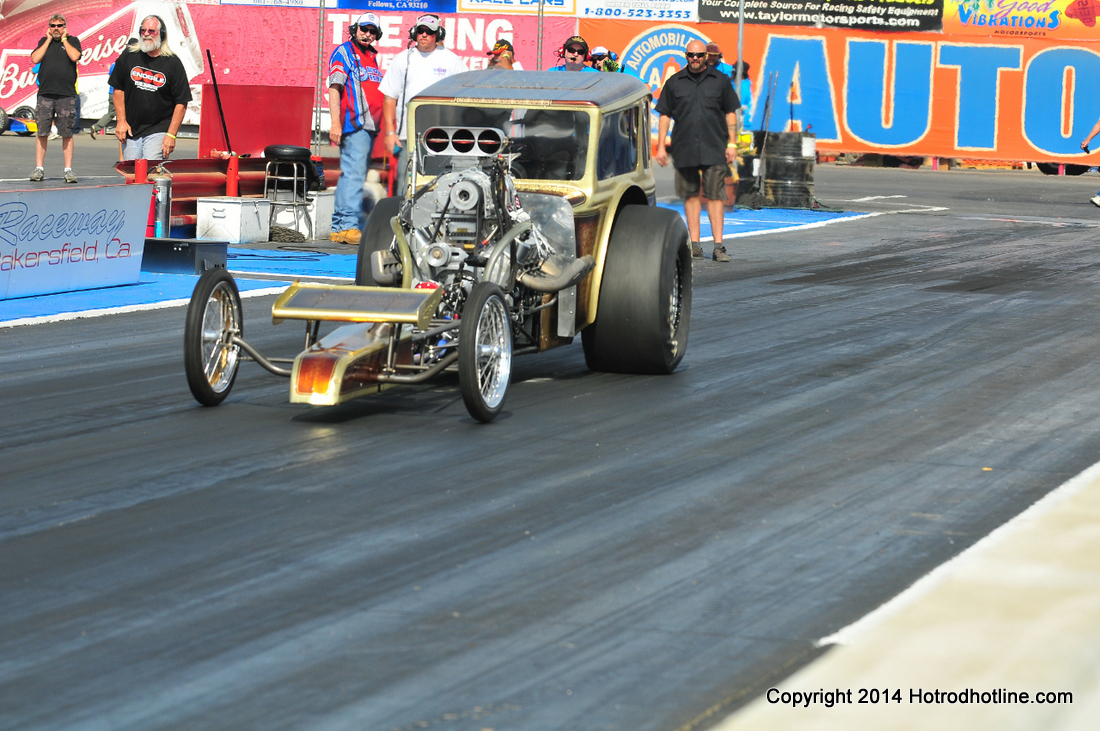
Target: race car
530	218
21	121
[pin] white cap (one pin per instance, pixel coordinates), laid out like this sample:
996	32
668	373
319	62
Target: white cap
369	19
599	51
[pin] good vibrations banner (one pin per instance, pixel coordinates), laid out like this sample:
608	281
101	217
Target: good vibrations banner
905	93
877	15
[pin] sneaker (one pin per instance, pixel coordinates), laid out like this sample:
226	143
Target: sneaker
348	236
70	176
37	175
1095	200
696	251
720	254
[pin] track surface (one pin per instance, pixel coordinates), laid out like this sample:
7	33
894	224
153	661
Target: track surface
613	553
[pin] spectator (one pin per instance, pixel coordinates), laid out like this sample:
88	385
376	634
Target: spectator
151	94
704	141
355	112
57	52
1095	200
410	73
604	60
503	55
109	116
574	56
714	60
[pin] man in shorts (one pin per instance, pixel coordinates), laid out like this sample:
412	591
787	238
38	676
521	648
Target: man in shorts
704	106
57	52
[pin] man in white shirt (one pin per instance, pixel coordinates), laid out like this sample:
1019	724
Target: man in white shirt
410	73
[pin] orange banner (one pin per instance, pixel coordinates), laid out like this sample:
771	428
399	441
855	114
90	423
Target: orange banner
937	94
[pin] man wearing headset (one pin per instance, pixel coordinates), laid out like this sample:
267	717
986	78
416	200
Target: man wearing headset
411	72
574	55
355	111
151	94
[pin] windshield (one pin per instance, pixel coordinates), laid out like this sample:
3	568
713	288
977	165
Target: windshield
550	144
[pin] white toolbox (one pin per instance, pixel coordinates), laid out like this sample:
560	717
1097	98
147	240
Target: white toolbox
236	220
320	208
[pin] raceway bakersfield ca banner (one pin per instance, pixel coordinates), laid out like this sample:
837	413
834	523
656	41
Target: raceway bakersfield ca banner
876	15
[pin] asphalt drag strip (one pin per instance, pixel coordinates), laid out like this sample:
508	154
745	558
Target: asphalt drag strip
859	404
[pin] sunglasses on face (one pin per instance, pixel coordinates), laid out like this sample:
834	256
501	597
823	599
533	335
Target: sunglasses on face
425	31
575	51
148	32
696	55
57	25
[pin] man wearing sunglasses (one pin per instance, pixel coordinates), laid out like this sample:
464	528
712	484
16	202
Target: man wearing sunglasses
574	54
423	64
704	141
355	113
151	94
57	52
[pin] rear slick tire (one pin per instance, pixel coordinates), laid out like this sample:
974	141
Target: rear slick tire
485	351
377	235
214	315
644	310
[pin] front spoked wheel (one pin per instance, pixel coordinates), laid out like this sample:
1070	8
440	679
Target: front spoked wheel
214	317
485	351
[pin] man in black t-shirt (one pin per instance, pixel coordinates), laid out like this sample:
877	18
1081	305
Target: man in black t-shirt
151	94
57	52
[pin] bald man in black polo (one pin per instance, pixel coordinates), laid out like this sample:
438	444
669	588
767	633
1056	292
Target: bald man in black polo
704	141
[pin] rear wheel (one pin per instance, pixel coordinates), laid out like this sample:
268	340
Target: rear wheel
214	316
3	121
644	310
485	351
377	235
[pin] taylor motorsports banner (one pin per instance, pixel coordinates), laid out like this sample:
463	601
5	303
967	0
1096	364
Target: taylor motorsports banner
877	15
899	93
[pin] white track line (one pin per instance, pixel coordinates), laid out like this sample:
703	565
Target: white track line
65	316
875	198
944	571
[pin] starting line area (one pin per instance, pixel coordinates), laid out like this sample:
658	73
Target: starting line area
155	290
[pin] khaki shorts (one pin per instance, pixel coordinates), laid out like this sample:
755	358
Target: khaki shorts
61	112
713	181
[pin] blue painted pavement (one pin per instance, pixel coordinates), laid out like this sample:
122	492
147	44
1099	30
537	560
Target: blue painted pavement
162	289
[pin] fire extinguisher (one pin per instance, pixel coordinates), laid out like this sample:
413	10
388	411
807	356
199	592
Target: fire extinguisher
162	193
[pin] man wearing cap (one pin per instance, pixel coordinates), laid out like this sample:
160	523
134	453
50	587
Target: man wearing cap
410	73
503	56
574	55
604	60
704	141
355	112
714	60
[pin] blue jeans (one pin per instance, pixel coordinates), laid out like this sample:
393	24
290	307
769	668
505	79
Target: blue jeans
347	203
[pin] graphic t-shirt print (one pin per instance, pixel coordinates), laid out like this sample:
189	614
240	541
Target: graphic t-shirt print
147	79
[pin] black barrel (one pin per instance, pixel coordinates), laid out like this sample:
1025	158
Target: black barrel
789	159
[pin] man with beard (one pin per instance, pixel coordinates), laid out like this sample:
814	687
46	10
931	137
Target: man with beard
355	111
704	141
151	94
57	52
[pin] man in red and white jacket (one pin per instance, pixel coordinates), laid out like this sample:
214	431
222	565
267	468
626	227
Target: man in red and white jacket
355	109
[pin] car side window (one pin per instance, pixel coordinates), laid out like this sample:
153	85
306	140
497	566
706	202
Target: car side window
618	153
